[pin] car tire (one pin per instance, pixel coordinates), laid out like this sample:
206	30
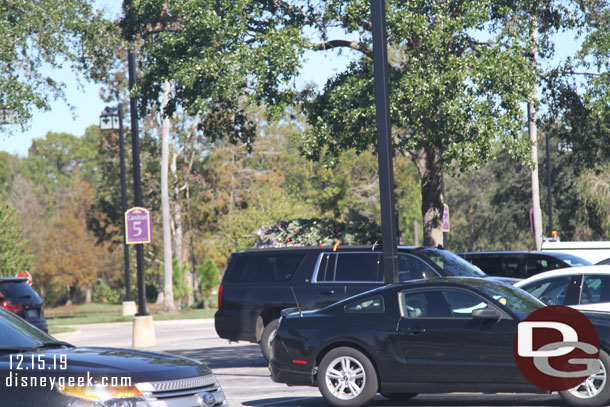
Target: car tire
267	337
595	391
346	377
399	396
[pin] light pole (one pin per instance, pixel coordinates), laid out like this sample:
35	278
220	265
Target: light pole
143	329
112	119
384	142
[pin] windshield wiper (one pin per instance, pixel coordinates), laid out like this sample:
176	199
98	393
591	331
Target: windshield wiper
55	344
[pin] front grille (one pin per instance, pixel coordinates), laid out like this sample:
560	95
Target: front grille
182	389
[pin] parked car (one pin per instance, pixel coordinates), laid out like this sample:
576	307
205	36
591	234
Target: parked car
584	288
437	336
17	296
521	264
33	366
259	283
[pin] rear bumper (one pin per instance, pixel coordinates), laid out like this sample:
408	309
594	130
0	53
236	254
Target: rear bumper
231	326
282	373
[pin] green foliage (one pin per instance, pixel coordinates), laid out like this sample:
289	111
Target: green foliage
14	253
208	280
38	35
180	285
103	293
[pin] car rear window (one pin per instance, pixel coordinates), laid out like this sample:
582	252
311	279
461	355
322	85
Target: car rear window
16	289
267	268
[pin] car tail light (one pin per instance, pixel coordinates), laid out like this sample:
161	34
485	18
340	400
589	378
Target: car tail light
220	289
7	305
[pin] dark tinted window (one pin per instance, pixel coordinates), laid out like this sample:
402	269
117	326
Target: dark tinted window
412	268
537	264
350	267
14	290
371	305
265	268
358	267
491	265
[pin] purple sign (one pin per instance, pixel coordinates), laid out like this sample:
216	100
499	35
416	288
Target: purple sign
138	226
445	218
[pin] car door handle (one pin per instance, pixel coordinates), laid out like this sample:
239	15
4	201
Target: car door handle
415	331
327	292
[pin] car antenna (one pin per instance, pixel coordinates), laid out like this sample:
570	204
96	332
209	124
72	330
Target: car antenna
296	301
374	244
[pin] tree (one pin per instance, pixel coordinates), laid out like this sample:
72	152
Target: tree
208	280
453	94
14	253
38	35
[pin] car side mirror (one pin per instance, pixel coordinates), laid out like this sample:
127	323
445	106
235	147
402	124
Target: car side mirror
486	313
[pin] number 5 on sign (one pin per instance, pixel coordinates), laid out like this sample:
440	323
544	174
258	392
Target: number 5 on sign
138	226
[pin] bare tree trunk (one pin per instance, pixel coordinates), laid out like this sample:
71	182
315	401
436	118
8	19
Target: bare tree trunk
533	134
430	173
168	287
178	232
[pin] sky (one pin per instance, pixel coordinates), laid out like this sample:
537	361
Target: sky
87	104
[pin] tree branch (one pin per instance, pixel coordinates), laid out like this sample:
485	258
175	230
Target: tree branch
358	46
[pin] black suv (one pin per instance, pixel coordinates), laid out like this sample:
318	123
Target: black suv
521	264
17	296
259	283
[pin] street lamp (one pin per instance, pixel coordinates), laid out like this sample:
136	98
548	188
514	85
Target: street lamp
112	119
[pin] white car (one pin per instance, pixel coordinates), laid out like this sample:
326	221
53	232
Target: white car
584	288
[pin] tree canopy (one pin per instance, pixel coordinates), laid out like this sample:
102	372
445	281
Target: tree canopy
40	36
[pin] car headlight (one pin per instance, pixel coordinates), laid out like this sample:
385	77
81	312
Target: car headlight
111	396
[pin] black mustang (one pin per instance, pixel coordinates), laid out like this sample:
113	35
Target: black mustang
432	336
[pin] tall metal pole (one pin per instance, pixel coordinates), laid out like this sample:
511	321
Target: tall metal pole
384	145
124	202
444	201
549	195
137	185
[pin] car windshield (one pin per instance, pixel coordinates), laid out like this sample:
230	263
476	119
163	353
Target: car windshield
516	300
451	264
15	333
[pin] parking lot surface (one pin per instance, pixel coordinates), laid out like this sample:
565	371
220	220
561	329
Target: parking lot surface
243	372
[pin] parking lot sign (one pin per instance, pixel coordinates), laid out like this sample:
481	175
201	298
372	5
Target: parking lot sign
138	226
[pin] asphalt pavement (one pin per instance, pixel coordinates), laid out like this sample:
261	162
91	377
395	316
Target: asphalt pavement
243	371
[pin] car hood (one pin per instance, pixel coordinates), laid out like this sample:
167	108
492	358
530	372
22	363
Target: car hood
98	362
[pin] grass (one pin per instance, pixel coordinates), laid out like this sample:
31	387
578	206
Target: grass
60	329
99	313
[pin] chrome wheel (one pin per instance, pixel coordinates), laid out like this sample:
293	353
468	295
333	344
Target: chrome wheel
592	386
345	378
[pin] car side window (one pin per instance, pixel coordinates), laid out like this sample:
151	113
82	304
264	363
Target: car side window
348	267
444	303
358	267
537	264
258	268
412	268
371	305
595	289
551	291
462	304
